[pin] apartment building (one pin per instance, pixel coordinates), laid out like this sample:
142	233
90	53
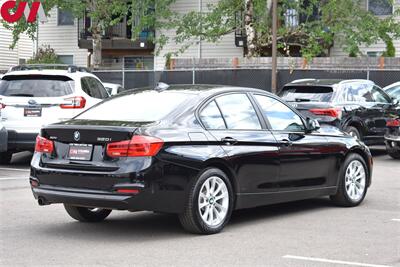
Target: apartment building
72	41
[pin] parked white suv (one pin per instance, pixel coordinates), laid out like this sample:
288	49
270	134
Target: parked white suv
32	96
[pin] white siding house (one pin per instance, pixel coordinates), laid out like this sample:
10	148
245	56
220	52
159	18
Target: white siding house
11	57
62	35
225	48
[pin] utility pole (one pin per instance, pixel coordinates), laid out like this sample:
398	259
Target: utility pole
274	46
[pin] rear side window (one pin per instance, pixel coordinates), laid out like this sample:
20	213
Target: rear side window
141	106
307	93
94	88
211	117
238	112
366	93
36	86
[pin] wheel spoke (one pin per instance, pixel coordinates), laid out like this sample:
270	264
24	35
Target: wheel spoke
211	213
221	208
223	195
202	205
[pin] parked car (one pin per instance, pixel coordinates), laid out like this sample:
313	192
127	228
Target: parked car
197	151
392	138
358	107
3	138
113	88
393	90
32	96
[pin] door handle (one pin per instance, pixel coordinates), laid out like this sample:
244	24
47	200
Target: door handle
229	141
286	142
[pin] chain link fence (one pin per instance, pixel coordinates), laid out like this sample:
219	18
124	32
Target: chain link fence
245	77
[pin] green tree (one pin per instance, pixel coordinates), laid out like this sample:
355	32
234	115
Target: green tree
103	14
319	24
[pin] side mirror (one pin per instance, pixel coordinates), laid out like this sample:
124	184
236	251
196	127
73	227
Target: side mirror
312	125
395	102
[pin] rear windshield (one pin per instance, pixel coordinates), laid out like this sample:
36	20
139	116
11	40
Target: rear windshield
307	93
141	106
36	86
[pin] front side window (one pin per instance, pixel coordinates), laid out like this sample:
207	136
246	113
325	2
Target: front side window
211	117
280	116
238	112
379	95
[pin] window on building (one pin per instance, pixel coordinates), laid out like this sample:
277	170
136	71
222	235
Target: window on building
65	18
374	54
380	7
66	59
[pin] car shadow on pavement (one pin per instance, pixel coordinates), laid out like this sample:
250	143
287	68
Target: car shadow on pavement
148	226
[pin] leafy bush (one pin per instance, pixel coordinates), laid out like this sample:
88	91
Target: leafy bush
390	49
45	55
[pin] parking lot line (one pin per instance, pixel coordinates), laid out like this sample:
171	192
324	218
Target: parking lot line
396	220
13	169
332	261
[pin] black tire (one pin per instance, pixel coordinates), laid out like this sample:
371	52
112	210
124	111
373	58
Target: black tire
5	157
393	152
353	131
191	219
87	214
342	198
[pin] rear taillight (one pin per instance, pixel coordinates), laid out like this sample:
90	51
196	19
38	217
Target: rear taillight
138	146
44	145
330	112
76	102
2	106
393	123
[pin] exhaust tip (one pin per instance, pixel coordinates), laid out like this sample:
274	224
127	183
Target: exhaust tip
42	201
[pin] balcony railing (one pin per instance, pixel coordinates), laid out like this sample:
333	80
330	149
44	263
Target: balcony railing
115	37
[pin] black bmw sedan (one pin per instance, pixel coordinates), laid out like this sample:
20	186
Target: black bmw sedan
196	151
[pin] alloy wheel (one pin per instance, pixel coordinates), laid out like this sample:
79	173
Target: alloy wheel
213	202
355	180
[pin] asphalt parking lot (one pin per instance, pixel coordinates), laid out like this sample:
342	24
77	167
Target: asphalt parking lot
305	233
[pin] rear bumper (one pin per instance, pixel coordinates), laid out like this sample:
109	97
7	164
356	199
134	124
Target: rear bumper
90	198
21	141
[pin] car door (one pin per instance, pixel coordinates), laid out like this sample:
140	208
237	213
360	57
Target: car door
374	108
304	157
251	149
388	110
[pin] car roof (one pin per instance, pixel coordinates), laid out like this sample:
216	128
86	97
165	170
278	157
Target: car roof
392	85
326	82
72	75
203	90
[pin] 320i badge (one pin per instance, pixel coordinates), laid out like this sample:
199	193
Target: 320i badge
196	151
